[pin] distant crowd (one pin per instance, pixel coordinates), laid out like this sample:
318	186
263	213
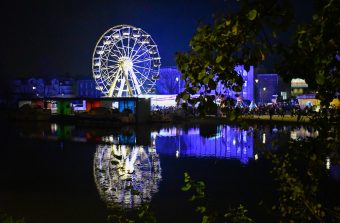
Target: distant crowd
281	109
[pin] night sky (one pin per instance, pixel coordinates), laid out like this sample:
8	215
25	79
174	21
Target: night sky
57	38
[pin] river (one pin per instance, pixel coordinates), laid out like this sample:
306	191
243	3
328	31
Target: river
64	173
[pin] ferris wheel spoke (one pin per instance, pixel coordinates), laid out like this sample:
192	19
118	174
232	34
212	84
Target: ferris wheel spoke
116	49
148	68
109	78
113	61
141	61
110	67
110	72
141	44
134	45
114	56
121	40
122	50
138	56
128	46
140	73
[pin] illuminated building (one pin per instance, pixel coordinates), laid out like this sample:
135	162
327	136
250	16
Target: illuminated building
266	87
298	86
87	88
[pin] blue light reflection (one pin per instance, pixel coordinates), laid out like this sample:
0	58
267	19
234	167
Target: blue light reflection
228	142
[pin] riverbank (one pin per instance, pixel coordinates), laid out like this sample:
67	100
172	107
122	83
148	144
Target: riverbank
277	118
170	120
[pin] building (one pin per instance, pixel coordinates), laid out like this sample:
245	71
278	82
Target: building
67	87
298	87
170	82
42	88
87	88
248	85
266	87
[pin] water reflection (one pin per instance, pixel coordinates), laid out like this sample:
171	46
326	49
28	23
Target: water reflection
303	132
228	142
126	175
221	141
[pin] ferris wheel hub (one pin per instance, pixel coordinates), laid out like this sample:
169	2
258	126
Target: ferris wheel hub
125	63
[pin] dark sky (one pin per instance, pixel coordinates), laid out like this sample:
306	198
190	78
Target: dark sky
57	37
49	38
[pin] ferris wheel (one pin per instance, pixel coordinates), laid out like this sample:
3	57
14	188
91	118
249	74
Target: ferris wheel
125	62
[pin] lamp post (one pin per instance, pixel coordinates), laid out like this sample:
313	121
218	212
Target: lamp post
256	91
179	84
264	89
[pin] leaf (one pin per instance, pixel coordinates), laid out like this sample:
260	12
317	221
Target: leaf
201	75
197	48
206	80
193	197
227	22
234	29
313	157
219	59
186	177
222	67
141	214
274	35
205	219
186	96
232	116
320	79
201	209
201	184
262	55
252	14
186	187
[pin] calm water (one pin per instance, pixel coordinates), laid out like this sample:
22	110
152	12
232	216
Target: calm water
63	173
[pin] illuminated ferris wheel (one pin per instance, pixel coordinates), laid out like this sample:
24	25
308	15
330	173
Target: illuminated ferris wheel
125	62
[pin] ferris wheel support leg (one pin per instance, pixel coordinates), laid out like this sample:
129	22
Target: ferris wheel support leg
134	78
127	82
113	85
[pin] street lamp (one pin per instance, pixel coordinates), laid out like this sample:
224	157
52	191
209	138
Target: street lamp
264	89
179	84
257	93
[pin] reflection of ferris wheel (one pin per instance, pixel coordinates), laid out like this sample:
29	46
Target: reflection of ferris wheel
125	62
126	175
